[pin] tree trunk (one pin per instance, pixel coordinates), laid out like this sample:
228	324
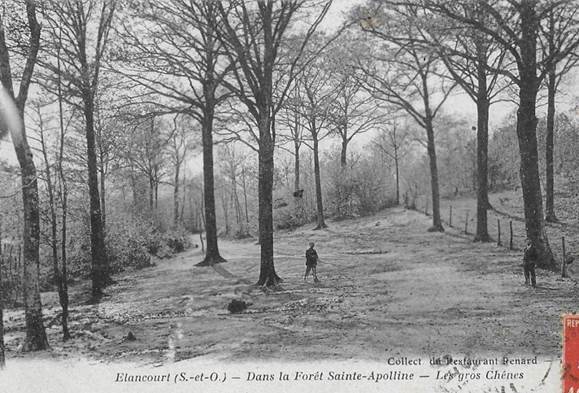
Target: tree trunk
319	197
397	165
267	274
176	196
296	166
225	206
299	210
35	333
183	200
63	287
156	193
135	194
431	148
204	225
344	152
527	136
2	356
482	104
235	198
436	221
63	290
58	276
549	148
103	191
482	234
100	273
151	193
245	200
212	251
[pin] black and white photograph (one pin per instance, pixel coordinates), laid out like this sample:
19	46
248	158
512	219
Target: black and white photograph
289	195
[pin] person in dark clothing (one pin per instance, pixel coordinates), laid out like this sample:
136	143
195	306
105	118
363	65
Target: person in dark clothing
311	262
529	261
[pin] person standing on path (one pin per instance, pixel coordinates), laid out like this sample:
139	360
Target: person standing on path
311	262
530	256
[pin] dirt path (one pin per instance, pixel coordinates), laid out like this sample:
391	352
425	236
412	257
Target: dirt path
388	287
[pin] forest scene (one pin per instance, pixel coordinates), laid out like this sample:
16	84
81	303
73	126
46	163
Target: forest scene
165	165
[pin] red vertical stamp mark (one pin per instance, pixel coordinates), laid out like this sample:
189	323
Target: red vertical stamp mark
570	354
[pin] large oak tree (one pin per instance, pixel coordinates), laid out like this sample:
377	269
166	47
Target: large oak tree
80	35
476	64
252	35
12	118
406	75
558	30
173	53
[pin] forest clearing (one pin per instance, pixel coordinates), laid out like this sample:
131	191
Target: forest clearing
387	288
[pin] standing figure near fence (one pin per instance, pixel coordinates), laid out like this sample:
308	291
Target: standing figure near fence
311	262
529	262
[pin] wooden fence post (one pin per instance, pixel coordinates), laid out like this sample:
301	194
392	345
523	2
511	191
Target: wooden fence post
511	239
564	262
499	229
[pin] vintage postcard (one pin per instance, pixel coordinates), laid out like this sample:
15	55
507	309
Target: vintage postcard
289	195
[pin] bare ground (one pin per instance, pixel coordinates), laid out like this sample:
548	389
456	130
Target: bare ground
387	287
